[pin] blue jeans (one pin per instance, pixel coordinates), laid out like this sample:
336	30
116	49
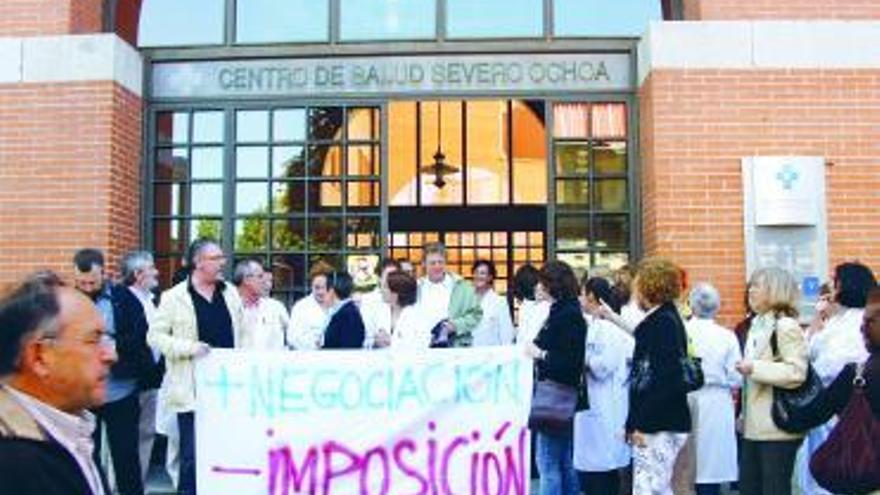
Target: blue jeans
553	456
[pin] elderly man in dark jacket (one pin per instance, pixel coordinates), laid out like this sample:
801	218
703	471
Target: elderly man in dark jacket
54	363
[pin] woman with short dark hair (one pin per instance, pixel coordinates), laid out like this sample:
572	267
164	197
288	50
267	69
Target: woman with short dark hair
410	327
838	343
559	352
346	327
659	419
533	307
496	326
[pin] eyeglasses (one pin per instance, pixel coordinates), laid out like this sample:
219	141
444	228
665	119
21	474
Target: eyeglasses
101	339
216	257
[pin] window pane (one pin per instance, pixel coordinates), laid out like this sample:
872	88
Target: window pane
610	157
488	152
252	162
289	125
325	234
494	18
609	120
173	22
251	126
251	234
363	232
289	234
260	21
579	262
207	163
604	18
250	198
289	271
612	231
572	233
207	228
387	20
171	164
363	194
168	236
325	123
169	199
333	260
573	193
449	191
363	124
288	161
611	194
570	120
325	161
207	199
325	196
402	160
363	160
529	153
288	197
572	159
172	127
612	260
208	127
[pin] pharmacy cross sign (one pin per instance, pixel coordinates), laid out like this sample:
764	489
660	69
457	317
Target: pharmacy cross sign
788	176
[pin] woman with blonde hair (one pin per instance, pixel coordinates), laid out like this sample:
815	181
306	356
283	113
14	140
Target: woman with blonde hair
775	356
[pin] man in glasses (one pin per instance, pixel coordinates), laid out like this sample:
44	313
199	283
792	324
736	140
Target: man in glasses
54	365
119	417
198	314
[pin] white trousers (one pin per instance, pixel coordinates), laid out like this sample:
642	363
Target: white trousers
653	463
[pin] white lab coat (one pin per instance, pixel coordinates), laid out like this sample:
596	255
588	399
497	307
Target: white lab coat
412	330
600	431
839	343
496	326
376	314
307	322
532	315
266	324
712	406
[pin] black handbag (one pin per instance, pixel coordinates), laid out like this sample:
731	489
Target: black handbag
553	408
691	367
798	409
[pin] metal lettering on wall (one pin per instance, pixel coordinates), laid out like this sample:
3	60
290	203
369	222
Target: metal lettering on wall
403	75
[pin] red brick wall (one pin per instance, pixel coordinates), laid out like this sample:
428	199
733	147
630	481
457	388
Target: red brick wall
49	17
696	126
780	9
69	173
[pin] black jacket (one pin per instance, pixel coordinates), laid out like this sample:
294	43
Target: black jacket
134	357
31	463
563	336
346	328
662	405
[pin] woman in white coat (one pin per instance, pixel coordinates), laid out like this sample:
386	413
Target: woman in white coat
838	343
600	448
496	326
712	406
410	326
309	315
533	305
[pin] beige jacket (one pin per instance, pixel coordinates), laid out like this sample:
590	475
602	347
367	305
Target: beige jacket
789	370
175	334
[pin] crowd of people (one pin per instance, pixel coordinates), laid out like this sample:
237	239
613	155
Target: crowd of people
105	366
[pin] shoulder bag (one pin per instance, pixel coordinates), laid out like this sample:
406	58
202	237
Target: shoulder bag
849	460
797	410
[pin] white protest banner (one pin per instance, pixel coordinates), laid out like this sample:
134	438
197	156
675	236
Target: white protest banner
442	421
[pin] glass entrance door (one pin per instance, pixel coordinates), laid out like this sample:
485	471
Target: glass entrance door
473	175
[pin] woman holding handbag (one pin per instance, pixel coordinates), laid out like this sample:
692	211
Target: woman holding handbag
659	419
849	460
837	343
768	453
559	354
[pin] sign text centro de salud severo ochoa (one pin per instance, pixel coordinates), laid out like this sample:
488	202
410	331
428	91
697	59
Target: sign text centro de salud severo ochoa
411	75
